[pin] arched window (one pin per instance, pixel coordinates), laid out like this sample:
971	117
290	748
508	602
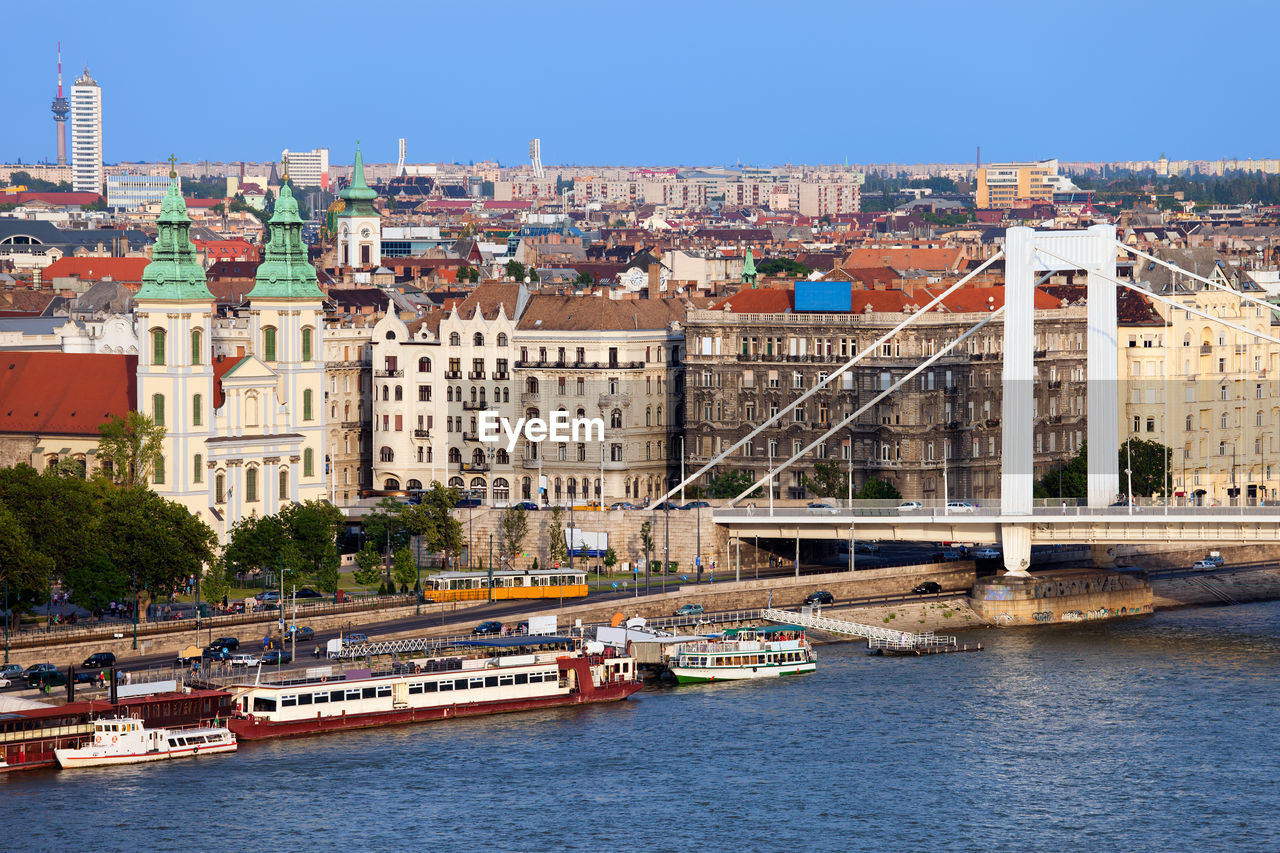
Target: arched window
220	489
526	489
531	385
251	484
157	346
306	344
197	410
197	354
399	393
501	489
269	343
157	409
424	365
251	410
615	419
306	404
455	456
413	485
391	484
659	416
455	340
456	483
502	457
506	395
448	393
502	339
648	416
478	484
386	454
582	413
477	339
308	462
284	484
477	457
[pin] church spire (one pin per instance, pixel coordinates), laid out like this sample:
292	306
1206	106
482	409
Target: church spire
749	269
174	272
285	272
359	196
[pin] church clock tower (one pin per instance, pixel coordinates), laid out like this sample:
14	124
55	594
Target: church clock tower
359	226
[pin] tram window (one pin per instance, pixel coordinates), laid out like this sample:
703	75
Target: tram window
491	681
460	684
415	688
262	703
288	701
304	698
522	678
429	687
368	692
337	696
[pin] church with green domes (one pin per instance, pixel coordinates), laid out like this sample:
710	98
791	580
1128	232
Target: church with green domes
244	434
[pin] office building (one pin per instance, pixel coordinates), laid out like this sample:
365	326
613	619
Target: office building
1005	185
133	192
307	168
86	135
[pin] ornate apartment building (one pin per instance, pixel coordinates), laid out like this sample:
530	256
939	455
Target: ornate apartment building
934	438
523	355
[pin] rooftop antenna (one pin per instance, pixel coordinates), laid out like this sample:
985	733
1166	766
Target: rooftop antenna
61	108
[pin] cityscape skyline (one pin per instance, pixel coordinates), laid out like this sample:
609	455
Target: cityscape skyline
518	75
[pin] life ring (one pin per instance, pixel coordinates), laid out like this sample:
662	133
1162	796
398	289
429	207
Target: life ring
114	738
97	738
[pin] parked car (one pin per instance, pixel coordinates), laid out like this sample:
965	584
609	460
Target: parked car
666	505
97	660
355	639
951	554
689	610
308	592
37	668
245	659
301	634
229	643
46	680
268	595
696	505
820	597
527	506
274	657
623	505
987	554
1203	564
822	508
866	548
487	628
927	588
1215	557
960	506
219	653
910	506
11	671
4	682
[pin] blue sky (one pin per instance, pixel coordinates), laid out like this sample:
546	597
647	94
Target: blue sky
656	82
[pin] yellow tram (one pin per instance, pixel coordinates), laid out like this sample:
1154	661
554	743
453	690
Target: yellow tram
474	586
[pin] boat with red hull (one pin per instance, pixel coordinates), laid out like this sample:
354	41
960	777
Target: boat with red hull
428	690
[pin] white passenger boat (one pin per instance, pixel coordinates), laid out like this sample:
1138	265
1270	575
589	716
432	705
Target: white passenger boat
743	653
125	740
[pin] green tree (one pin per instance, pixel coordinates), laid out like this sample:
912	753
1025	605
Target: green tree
329	573
1069	481
384	528
432	519
729	484
368	566
584	279
516	270
1148	462
610	560
216	583
314	527
782	267
827	480
132	444
22	566
646	537
403	569
513	527
557	551
159	539
876	489
254	544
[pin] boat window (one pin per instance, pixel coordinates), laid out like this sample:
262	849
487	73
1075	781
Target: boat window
535	678
415	688
368	692
429	687
288	701
353	694
489	681
445	685
304	698
321	698
460	684
337	696
506	680
522	678
384	690
262	703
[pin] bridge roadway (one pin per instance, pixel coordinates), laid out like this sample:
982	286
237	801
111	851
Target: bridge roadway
1072	525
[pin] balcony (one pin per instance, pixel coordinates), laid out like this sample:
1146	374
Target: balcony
1055	419
475	374
453	374
474	467
1041	353
1055	384
952	390
353	425
501	375
993	422
529	463
422	433
529	396
471	436
471	406
1206	349
388	374
343	365
952	425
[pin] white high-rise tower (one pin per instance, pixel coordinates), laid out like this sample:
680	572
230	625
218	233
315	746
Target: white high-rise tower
86	135
535	158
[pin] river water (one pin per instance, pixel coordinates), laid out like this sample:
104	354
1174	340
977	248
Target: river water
1157	733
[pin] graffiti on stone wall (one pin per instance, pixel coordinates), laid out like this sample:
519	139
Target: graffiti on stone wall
1042	615
1072	616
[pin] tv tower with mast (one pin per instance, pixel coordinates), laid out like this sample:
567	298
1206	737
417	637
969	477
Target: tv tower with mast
61	107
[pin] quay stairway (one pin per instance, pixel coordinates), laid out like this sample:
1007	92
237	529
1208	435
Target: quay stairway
877	637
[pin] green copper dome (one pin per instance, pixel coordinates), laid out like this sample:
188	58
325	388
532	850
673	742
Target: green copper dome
749	269
359	196
284	272
174	272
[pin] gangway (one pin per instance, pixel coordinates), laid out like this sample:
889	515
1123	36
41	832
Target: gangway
877	637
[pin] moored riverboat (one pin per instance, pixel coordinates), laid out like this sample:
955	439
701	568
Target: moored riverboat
437	688
745	653
122	740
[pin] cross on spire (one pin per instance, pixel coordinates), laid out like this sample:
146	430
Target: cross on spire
173	167
285	176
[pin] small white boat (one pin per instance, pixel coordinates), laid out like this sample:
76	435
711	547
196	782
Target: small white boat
125	740
745	653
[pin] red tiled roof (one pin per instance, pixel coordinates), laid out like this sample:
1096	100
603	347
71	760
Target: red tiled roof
127	270
764	300
906	259
64	393
63	199
203	202
221	367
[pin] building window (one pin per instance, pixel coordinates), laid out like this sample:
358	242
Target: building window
157	346
269	344
195	346
157	409
251	484
306	404
197	469
197	410
306	344
455	340
284	484
308	462
159	470
220	489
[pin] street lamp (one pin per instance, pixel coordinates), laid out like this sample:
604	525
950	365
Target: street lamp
135	605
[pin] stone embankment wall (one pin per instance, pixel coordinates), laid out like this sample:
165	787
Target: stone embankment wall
1217	588
1072	595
